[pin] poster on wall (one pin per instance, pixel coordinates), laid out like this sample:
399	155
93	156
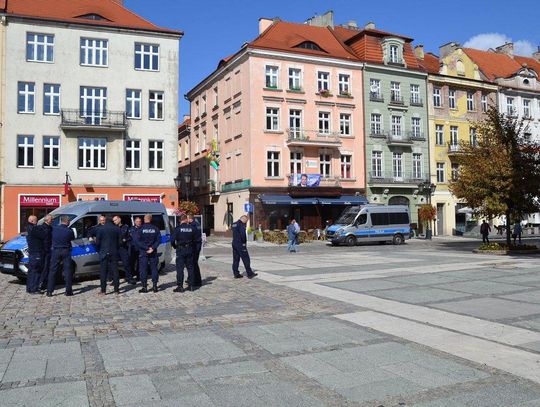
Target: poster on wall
305	180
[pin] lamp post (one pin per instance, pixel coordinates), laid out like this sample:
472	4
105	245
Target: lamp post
178	185
187	182
428	189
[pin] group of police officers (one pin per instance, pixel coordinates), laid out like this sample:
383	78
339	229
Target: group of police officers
49	250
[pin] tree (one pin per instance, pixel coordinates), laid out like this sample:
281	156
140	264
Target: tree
500	173
426	214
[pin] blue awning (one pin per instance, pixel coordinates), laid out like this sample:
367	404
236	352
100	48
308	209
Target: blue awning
344	200
269	199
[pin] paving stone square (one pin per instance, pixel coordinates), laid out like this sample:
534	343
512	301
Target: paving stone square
482	287
69	394
418	295
490	308
529	296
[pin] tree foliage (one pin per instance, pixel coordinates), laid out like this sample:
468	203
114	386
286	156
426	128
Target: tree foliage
500	173
427	212
187	207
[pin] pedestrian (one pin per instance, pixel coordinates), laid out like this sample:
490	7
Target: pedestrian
183	240
485	229
197	278
148	240
47	225
134	248
292	235
517	232
123	250
35	238
108	239
240	249
62	236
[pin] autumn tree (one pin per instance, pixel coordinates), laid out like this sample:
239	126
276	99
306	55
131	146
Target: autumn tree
499	174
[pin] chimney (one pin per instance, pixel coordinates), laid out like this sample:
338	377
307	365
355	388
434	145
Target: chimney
325	20
506	49
186	117
265	24
536	55
352	24
419	51
370	26
447	49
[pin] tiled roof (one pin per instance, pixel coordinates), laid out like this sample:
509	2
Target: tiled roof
492	64
113	14
430	63
531	63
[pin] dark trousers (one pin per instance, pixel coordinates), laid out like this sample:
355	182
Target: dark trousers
61	257
44	278
146	261
134	260
108	267
123	253
197	278
485	238
240	252
184	258
35	266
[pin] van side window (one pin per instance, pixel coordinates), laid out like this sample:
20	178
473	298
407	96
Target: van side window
401	218
362	219
158	221
83	225
379	219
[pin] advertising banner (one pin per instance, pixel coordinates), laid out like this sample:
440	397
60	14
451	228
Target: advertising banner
305	180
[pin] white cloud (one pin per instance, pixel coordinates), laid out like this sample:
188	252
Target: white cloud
494	40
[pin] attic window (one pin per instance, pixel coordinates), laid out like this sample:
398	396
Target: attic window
309	45
93	17
525	81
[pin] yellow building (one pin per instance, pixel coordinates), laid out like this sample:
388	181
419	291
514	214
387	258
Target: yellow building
457	97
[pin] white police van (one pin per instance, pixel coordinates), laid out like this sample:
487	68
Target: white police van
83	215
371	223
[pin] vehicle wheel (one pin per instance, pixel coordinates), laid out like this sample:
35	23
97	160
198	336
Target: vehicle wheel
350	241
398	239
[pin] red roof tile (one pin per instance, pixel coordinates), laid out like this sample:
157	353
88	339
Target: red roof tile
531	63
493	65
114	14
430	63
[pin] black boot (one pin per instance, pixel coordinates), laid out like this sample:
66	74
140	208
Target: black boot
144	289
155	288
179	289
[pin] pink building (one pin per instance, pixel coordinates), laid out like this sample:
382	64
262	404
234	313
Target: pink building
287	104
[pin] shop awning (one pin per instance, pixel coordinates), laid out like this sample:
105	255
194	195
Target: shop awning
344	200
287	200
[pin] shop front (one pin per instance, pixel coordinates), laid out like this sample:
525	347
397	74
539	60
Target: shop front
37	205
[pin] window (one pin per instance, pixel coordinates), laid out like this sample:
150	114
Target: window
296	162
455	171
133	103
146	57
379	219
325	165
484	103
51	99
324	123
309	45
204	105
440	172
376	164
92	153
39	47
398	218
295	122
395	92
417	165
155	154
439	134
272	77
295	81
472	136
323	81
437	97
216	96
51	152
155	105
133	154
394	54
397	165
510	106
375	89
272	164
396	126
415	94
452	98
344	82
470	102
197	144
345	124
454	137
26	97
376	123
526	108
346	166
416	127
25	151
93	104
94	52
272	118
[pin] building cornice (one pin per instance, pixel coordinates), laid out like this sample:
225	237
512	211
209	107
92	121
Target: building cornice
452	80
394	69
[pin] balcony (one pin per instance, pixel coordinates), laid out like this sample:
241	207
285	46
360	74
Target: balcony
378	133
389	178
416	135
396	99
73	119
454	149
376	97
400	139
298	137
416	101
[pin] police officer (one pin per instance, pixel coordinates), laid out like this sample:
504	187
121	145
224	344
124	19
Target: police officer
108	239
62	236
183	240
93	230
47	221
239	248
133	247
123	250
148	239
197	279
35	237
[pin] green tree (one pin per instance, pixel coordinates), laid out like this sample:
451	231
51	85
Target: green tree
500	173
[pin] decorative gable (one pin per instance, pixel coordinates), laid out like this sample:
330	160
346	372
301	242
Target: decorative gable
392	48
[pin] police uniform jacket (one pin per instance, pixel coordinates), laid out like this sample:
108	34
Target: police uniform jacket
184	237
239	234
35	238
48	237
148	236
198	235
125	236
108	239
62	236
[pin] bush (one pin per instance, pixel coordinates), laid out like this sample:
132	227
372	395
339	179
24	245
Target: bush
499	246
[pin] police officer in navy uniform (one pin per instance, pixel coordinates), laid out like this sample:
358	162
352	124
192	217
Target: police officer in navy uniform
133	247
123	250
62	236
43	279
197	279
35	237
148	240
108	238
183	240
239	248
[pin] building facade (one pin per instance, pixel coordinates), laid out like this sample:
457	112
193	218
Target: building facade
96	108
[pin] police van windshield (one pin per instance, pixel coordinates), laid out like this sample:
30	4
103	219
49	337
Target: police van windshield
56	219
348	215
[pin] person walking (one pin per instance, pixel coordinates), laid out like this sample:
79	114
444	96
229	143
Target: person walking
108	240
123	249
47	225
35	238
134	248
239	246
197	245
292	235
183	240
62	236
517	232
148	240
485	230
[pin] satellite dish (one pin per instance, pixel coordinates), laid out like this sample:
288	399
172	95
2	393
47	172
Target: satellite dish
374	88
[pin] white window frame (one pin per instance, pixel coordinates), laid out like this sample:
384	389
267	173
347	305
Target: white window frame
27	143
527	108
156	98
32	42
415	93
325	164
133	149
377	83
510	108
144	49
437	101
397	166
471	105
417	166
345	124
439	134
344	83
416	127
376	126
273	167
441	176
28	92
296	131
272	118
393	54
154	153
216	96
323	81
473	136
90	147
296	163
377	164
484	103
396	126
325	122
133	99
454	171
346	168
451	98
295	79
395	91
454	136
92	50
49	148
271	75
52	95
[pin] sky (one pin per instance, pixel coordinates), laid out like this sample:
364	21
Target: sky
214	29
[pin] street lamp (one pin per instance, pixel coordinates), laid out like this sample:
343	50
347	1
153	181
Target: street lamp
178	185
428	189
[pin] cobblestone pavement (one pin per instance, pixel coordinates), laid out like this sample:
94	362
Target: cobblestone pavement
424	324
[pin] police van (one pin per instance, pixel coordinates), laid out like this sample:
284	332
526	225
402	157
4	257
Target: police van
371	223
83	216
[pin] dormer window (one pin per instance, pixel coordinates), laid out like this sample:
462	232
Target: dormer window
393	51
309	45
96	17
394	54
526	82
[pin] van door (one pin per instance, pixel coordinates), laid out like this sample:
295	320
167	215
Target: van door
362	227
84	252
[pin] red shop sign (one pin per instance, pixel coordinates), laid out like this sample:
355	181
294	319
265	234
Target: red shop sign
143	198
39	200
